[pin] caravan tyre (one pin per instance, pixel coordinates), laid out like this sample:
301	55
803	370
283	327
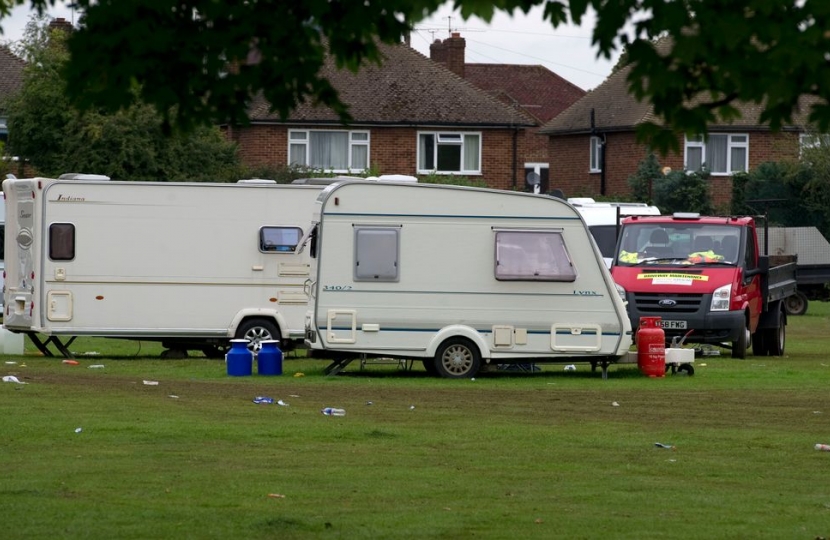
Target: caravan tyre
256	331
457	358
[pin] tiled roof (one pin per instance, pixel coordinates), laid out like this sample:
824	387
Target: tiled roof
11	73
615	109
540	92
408	88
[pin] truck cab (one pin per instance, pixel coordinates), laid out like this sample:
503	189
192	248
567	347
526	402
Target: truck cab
705	278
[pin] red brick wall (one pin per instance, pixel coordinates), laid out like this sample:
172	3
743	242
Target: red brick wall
392	151
569	162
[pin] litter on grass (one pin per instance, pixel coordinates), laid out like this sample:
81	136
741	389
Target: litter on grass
96	366
666	446
78	430
263	400
282	403
71	362
151	383
12	378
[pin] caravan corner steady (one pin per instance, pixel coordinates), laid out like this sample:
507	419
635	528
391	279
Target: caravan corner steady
187	264
458	277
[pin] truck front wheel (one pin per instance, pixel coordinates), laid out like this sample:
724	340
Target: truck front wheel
739	346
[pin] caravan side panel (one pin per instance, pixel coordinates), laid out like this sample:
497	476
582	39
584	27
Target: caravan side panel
447	271
161	260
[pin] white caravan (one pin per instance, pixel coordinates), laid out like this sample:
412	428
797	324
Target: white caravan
456	277
603	220
187	264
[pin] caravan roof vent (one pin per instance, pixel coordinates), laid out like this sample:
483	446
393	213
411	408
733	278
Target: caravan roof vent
82	176
256	181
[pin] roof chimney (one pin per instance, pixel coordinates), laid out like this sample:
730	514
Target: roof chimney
450	52
61	24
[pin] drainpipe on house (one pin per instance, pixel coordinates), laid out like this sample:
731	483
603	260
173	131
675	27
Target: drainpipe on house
515	155
596	133
602	187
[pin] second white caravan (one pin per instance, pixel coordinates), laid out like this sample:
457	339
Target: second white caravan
458	277
187	264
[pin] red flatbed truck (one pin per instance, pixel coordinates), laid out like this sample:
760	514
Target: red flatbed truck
707	279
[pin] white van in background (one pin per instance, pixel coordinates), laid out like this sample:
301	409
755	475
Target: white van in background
603	220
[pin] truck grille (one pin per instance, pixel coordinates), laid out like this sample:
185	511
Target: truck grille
650	303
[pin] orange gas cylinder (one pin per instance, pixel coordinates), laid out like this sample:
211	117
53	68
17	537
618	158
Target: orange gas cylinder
651	347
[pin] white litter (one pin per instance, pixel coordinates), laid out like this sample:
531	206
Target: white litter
281	402
615	404
11	363
12	378
151	383
570	367
78	430
96	366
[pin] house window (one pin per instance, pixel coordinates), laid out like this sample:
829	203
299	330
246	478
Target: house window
4	130
596	155
376	253
809	141
535	255
449	153
61	241
280	239
335	151
719	153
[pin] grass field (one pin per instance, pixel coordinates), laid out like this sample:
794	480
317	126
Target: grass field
97	453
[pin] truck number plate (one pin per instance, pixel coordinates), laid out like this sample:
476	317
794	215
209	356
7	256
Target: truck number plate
673	325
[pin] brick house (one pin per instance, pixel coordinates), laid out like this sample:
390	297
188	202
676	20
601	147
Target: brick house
540	93
11	80
410	116
593	148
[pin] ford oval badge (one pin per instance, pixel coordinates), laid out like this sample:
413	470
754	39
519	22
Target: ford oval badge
666	302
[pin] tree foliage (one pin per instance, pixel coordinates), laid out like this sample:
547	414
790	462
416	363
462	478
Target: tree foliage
792	194
177	53
128	144
672	191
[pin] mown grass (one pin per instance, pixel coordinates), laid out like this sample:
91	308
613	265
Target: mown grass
531	455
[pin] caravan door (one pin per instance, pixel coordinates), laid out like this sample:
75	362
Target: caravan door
20	276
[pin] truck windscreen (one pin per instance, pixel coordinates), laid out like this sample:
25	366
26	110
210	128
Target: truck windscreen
679	243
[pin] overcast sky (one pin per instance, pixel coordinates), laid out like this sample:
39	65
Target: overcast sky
521	39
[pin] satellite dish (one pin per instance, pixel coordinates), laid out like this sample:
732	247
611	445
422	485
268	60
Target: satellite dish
533	178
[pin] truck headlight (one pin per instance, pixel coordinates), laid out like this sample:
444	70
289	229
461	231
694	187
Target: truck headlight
720	299
620	290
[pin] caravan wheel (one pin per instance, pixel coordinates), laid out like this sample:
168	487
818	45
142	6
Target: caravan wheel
457	358
256	331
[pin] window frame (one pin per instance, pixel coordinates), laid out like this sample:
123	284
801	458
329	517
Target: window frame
372	250
354	142
516	272
62	249
595	154
448	141
279	248
702	142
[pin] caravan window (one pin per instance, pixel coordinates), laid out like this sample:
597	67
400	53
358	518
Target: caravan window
376	251
532	255
281	239
61	241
